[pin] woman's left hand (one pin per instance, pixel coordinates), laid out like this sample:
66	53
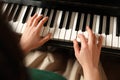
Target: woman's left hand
31	36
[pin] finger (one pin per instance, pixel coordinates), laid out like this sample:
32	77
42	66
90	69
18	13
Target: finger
30	21
100	39
90	35
36	20
94	39
83	40
76	47
40	24
45	39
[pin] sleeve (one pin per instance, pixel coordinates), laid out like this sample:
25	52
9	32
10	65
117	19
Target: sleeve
36	74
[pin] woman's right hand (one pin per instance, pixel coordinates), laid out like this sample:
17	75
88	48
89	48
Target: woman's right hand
89	53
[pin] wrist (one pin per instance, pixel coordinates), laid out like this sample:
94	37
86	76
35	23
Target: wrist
24	48
91	73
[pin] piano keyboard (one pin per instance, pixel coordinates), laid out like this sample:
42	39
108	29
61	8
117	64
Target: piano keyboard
65	25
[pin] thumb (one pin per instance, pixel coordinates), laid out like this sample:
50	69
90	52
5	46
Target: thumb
100	42
45	39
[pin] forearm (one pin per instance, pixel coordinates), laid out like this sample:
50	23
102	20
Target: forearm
91	73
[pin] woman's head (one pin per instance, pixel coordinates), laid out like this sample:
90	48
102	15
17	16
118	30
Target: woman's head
11	57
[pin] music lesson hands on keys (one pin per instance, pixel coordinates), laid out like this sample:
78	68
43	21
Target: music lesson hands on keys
65	25
31	38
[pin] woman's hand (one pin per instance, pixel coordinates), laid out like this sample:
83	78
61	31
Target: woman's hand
31	36
89	53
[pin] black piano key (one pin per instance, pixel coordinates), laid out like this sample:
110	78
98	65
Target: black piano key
101	23
43	11
84	23
107	25
17	13
62	20
34	10
26	14
118	27
7	9
68	20
12	12
48	14
91	21
53	18
78	22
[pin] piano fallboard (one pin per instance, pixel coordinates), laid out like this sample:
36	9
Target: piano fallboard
69	45
71	6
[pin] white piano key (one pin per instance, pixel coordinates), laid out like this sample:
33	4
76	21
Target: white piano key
109	37
74	33
103	30
10	9
20	24
57	30
94	23
37	10
46	29
42	29
46	11
52	30
62	34
11	22
25	24
40	10
115	38
15	24
119	43
97	24
81	24
81	21
29	14
63	30
4	7
69	31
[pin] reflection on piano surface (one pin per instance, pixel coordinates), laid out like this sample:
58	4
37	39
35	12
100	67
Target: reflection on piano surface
67	21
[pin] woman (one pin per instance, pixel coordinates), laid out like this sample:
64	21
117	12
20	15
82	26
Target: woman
13	50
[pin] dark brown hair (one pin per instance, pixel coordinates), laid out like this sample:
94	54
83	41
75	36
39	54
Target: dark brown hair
11	56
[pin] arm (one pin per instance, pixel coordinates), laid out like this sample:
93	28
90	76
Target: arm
88	55
31	38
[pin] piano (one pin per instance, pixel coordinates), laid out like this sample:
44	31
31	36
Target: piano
67	18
